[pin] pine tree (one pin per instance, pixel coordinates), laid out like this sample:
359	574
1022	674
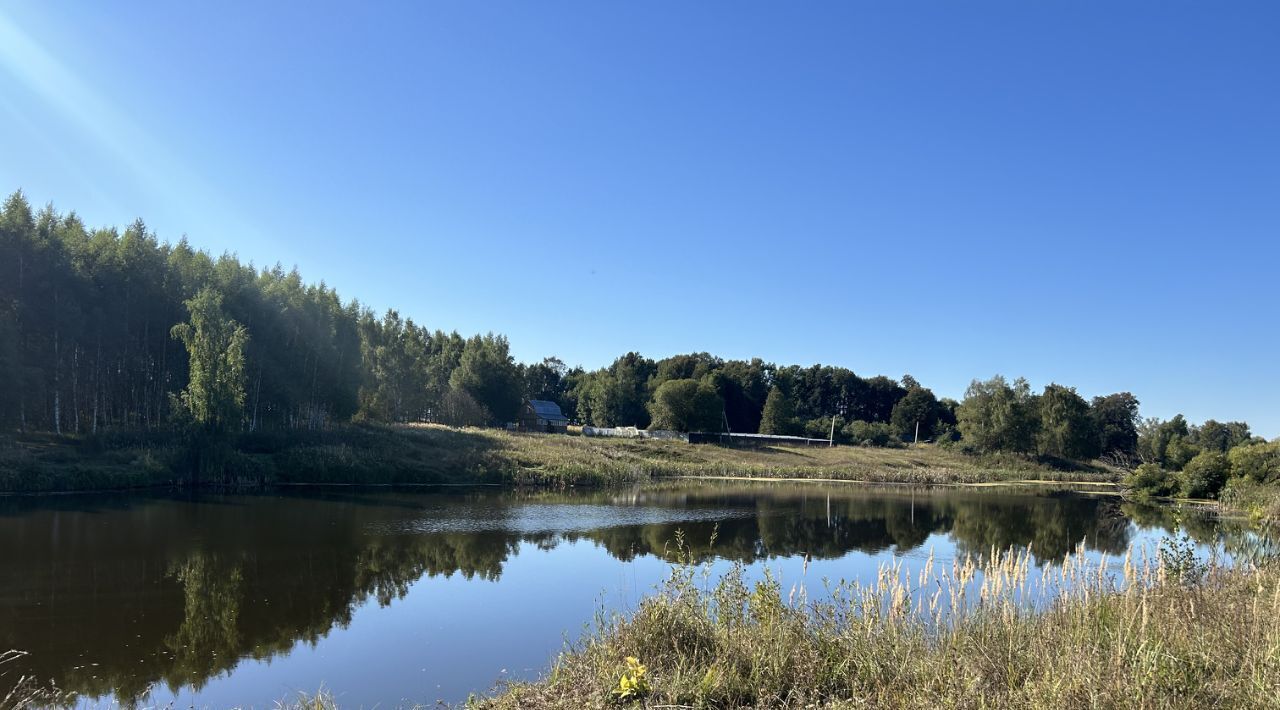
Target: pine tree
779	413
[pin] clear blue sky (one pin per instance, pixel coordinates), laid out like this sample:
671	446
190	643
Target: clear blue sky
1086	193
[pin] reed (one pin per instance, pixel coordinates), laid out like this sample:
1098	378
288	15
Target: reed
24	691
1162	631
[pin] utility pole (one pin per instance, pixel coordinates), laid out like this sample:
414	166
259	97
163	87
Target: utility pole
917	441
831	440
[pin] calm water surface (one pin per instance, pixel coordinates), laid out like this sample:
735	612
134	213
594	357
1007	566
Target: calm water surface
391	597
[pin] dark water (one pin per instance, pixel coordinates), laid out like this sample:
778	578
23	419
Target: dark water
391	597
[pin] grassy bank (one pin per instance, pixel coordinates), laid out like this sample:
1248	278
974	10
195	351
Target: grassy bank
433	454
1177	635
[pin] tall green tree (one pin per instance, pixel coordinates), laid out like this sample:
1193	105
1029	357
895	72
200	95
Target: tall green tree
998	416
215	345
1213	435
619	394
1066	430
1115	417
1166	443
488	373
744	386
686	405
545	380
917	407
778	416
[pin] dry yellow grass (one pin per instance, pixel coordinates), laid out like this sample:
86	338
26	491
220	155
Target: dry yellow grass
543	458
993	634
373	454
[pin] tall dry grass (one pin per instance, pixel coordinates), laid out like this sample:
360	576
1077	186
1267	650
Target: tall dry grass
1159	632
18	691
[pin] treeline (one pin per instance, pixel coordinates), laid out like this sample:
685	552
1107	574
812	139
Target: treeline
1212	460
103	329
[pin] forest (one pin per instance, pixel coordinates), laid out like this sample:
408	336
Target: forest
109	330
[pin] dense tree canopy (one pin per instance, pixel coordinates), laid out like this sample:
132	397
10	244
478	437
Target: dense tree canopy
1115	417
86	318
488	373
686	405
998	416
1065	428
918	410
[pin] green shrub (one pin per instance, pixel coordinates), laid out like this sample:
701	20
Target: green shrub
1258	462
1179	453
1204	475
869	433
1151	480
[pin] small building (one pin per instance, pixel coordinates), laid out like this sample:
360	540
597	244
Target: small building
542	416
753	440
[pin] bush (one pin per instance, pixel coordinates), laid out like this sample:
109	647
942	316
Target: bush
820	428
1151	480
1259	462
1204	475
869	433
945	434
1179	453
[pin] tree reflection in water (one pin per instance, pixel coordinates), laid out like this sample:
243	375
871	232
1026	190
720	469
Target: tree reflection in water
115	594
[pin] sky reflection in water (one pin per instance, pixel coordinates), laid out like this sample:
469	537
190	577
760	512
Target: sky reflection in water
389	597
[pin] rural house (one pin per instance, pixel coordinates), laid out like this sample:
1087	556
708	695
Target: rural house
541	415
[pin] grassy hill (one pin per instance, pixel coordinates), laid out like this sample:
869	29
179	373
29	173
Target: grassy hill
434	454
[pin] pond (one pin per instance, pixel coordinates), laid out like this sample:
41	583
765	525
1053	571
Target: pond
389	597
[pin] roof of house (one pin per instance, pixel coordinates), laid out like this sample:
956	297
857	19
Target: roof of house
547	410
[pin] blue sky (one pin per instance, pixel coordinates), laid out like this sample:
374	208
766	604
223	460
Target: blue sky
1086	193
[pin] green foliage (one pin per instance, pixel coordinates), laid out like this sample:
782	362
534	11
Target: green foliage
1115	417
1178	557
488	373
1258	462
1177	634
84	314
1150	480
869	433
617	395
1259	501
820	428
1066	429
634	683
1205	474
215	344
778	416
459	408
1179	452
997	416
686	405
1156	437
545	380
1217	436
744	386
918	406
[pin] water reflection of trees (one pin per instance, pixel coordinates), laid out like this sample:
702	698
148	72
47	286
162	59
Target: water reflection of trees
1237	537
827	528
175	592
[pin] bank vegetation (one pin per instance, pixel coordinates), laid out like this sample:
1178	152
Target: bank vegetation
1170	632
